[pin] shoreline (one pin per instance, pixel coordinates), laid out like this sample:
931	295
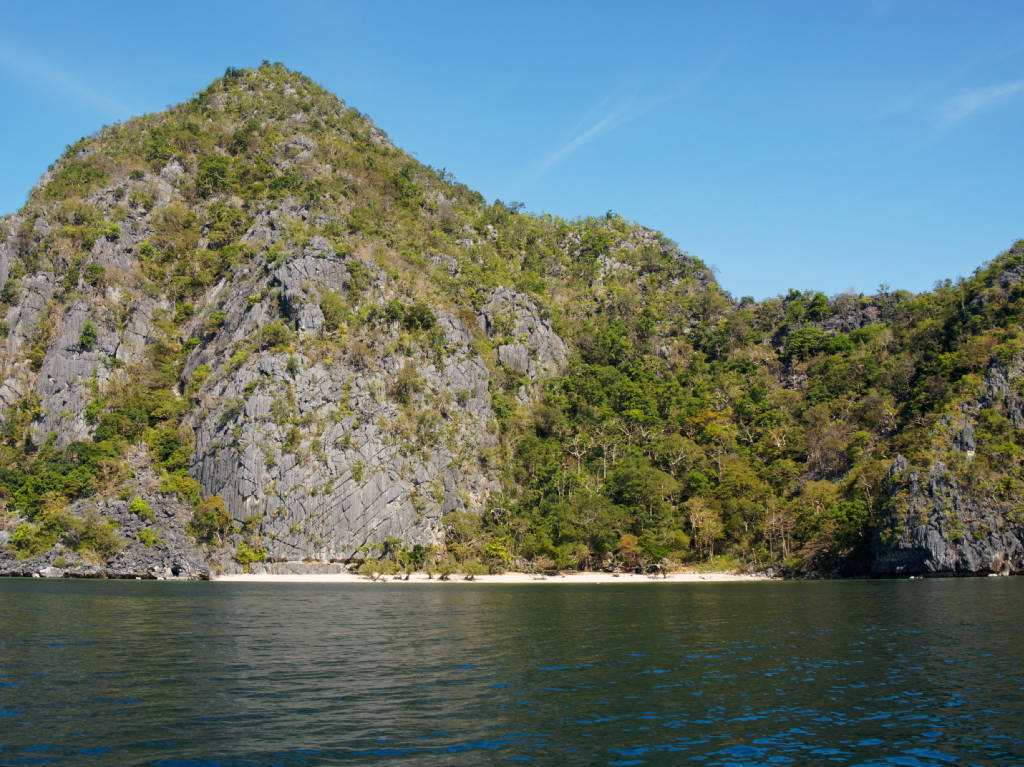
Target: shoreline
508	578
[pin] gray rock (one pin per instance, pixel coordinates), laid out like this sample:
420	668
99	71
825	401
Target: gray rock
173	555
516	357
270	225
933	526
963	440
172	172
999	390
515	318
9	245
323	456
66	375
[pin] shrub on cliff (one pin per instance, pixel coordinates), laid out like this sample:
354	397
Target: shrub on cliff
211	520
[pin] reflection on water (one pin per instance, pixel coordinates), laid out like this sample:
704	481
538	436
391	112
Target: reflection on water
887	672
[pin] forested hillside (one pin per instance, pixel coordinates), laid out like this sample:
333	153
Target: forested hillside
250	330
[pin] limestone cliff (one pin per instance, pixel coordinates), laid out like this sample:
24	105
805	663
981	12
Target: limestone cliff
250	332
329	404
943	518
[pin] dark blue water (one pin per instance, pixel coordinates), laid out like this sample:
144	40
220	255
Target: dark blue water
855	673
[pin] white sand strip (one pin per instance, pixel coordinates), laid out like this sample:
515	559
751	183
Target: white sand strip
504	578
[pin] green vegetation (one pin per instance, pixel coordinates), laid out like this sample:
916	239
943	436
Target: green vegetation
140	506
687	426
92	536
87	341
246	554
150	538
211	521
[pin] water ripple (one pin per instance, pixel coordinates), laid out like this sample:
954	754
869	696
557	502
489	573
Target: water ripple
867	673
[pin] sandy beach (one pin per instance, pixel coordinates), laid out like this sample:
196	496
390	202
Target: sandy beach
509	578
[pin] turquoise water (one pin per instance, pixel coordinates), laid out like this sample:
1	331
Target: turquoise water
856	673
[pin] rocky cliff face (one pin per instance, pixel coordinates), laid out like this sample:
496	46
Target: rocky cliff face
935	526
297	346
331	407
148	542
334	439
338	447
934	522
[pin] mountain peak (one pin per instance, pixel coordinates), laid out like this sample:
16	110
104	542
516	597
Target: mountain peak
252	328
315	338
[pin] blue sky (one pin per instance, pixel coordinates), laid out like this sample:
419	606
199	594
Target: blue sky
809	145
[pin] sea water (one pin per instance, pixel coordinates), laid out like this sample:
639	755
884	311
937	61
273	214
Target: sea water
923	672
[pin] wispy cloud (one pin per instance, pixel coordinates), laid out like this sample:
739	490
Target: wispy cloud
38	72
964	105
626	111
607	122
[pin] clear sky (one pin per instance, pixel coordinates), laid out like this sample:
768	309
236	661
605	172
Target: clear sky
815	145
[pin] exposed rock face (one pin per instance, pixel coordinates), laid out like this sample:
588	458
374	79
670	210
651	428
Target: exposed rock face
849	315
324	447
351	442
171	554
330	464
531	347
936	524
935	527
69	373
65	376
999	391
525	343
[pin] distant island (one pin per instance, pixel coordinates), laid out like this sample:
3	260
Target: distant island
250	333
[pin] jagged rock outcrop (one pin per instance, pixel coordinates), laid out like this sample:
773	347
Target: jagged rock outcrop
316	445
849	314
152	546
933	522
326	455
526	342
299	344
933	526
1001	391
351	440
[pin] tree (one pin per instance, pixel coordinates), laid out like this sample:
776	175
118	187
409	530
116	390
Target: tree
636	483
140	506
407	384
211	520
706	525
778	530
87	341
465	535
628	548
333	309
213	175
